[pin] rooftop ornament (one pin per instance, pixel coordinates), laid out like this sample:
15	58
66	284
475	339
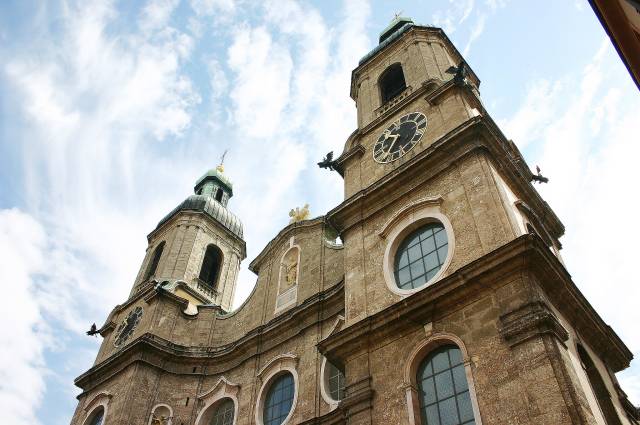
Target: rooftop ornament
299	214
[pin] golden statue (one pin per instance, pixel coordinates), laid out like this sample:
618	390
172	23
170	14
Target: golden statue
291	273
162	420
299	214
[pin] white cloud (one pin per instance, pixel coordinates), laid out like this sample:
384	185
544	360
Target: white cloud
585	130
22	369
93	103
540	107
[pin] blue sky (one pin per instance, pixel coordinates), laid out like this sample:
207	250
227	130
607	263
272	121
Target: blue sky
111	110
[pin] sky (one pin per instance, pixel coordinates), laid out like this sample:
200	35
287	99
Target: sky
110	111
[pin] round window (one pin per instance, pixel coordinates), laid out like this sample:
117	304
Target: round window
279	400
420	256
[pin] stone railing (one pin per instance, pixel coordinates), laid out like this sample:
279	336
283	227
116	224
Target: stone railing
393	102
204	288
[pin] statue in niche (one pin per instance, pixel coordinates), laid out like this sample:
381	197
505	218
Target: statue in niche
289	270
162	420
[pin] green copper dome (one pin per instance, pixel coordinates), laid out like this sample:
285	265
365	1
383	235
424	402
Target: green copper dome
396	23
212	193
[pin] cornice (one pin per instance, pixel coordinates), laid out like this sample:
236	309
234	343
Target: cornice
529	254
417	33
282	235
476	134
207	219
529	321
161	353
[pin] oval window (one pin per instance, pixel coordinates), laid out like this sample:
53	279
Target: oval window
279	399
420	256
334	381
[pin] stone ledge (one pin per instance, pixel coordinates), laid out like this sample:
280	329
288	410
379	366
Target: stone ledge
531	320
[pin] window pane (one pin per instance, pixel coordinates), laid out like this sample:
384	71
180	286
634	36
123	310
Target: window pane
448	412
336	382
455	355
440	361
428	391
428	245
438	402
444	384
417	269
431	415
414	253
441	238
425	251
464	406
431	261
404	276
279	400
459	378
404	260
223	414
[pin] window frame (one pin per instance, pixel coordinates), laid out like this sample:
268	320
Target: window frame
223	389
414	360
284	363
384	74
100	401
324	385
156	256
400	226
214	285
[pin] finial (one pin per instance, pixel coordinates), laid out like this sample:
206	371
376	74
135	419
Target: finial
397	15
299	214
220	168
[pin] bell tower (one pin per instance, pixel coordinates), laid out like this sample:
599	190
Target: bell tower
195	251
448	246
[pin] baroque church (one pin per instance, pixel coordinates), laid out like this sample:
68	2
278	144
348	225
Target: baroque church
434	294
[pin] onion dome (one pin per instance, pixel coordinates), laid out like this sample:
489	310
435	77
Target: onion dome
212	193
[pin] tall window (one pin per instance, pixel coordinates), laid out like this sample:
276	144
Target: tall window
599	388
211	265
153	264
223	414
219	195
392	82
443	389
98	417
279	400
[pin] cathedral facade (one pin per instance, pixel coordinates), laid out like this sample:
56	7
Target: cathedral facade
434	294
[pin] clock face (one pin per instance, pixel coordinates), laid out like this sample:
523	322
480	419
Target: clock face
127	326
400	137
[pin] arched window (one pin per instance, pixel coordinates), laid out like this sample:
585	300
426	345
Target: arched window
279	400
599	388
421	255
153	264
211	265
97	417
443	389
223	414
219	194
391	82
